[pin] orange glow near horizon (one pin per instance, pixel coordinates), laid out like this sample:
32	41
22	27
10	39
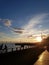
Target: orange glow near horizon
35	38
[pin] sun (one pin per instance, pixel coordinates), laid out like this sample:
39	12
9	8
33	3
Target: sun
38	39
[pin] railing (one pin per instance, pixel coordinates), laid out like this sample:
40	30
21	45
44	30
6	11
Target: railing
18	47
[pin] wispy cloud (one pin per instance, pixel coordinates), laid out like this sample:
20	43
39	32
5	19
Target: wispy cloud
33	27
7	23
17	30
29	28
35	20
46	31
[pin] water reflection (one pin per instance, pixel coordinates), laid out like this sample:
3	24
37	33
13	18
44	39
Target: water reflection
43	59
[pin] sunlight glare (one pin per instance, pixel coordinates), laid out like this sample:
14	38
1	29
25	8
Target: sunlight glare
38	39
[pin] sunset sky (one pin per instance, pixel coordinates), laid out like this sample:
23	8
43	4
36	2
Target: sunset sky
22	19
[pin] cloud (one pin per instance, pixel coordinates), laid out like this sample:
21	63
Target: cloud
34	21
29	28
46	31
7	23
17	30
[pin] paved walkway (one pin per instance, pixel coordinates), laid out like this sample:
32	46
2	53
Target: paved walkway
43	59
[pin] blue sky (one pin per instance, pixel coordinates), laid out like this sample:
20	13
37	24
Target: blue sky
21	18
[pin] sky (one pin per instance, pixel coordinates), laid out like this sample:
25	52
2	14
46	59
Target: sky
22	19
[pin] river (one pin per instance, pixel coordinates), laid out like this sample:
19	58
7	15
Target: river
43	59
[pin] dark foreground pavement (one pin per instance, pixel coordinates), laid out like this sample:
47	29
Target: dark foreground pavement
22	57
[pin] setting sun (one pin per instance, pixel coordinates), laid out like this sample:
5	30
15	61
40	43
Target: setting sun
38	39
